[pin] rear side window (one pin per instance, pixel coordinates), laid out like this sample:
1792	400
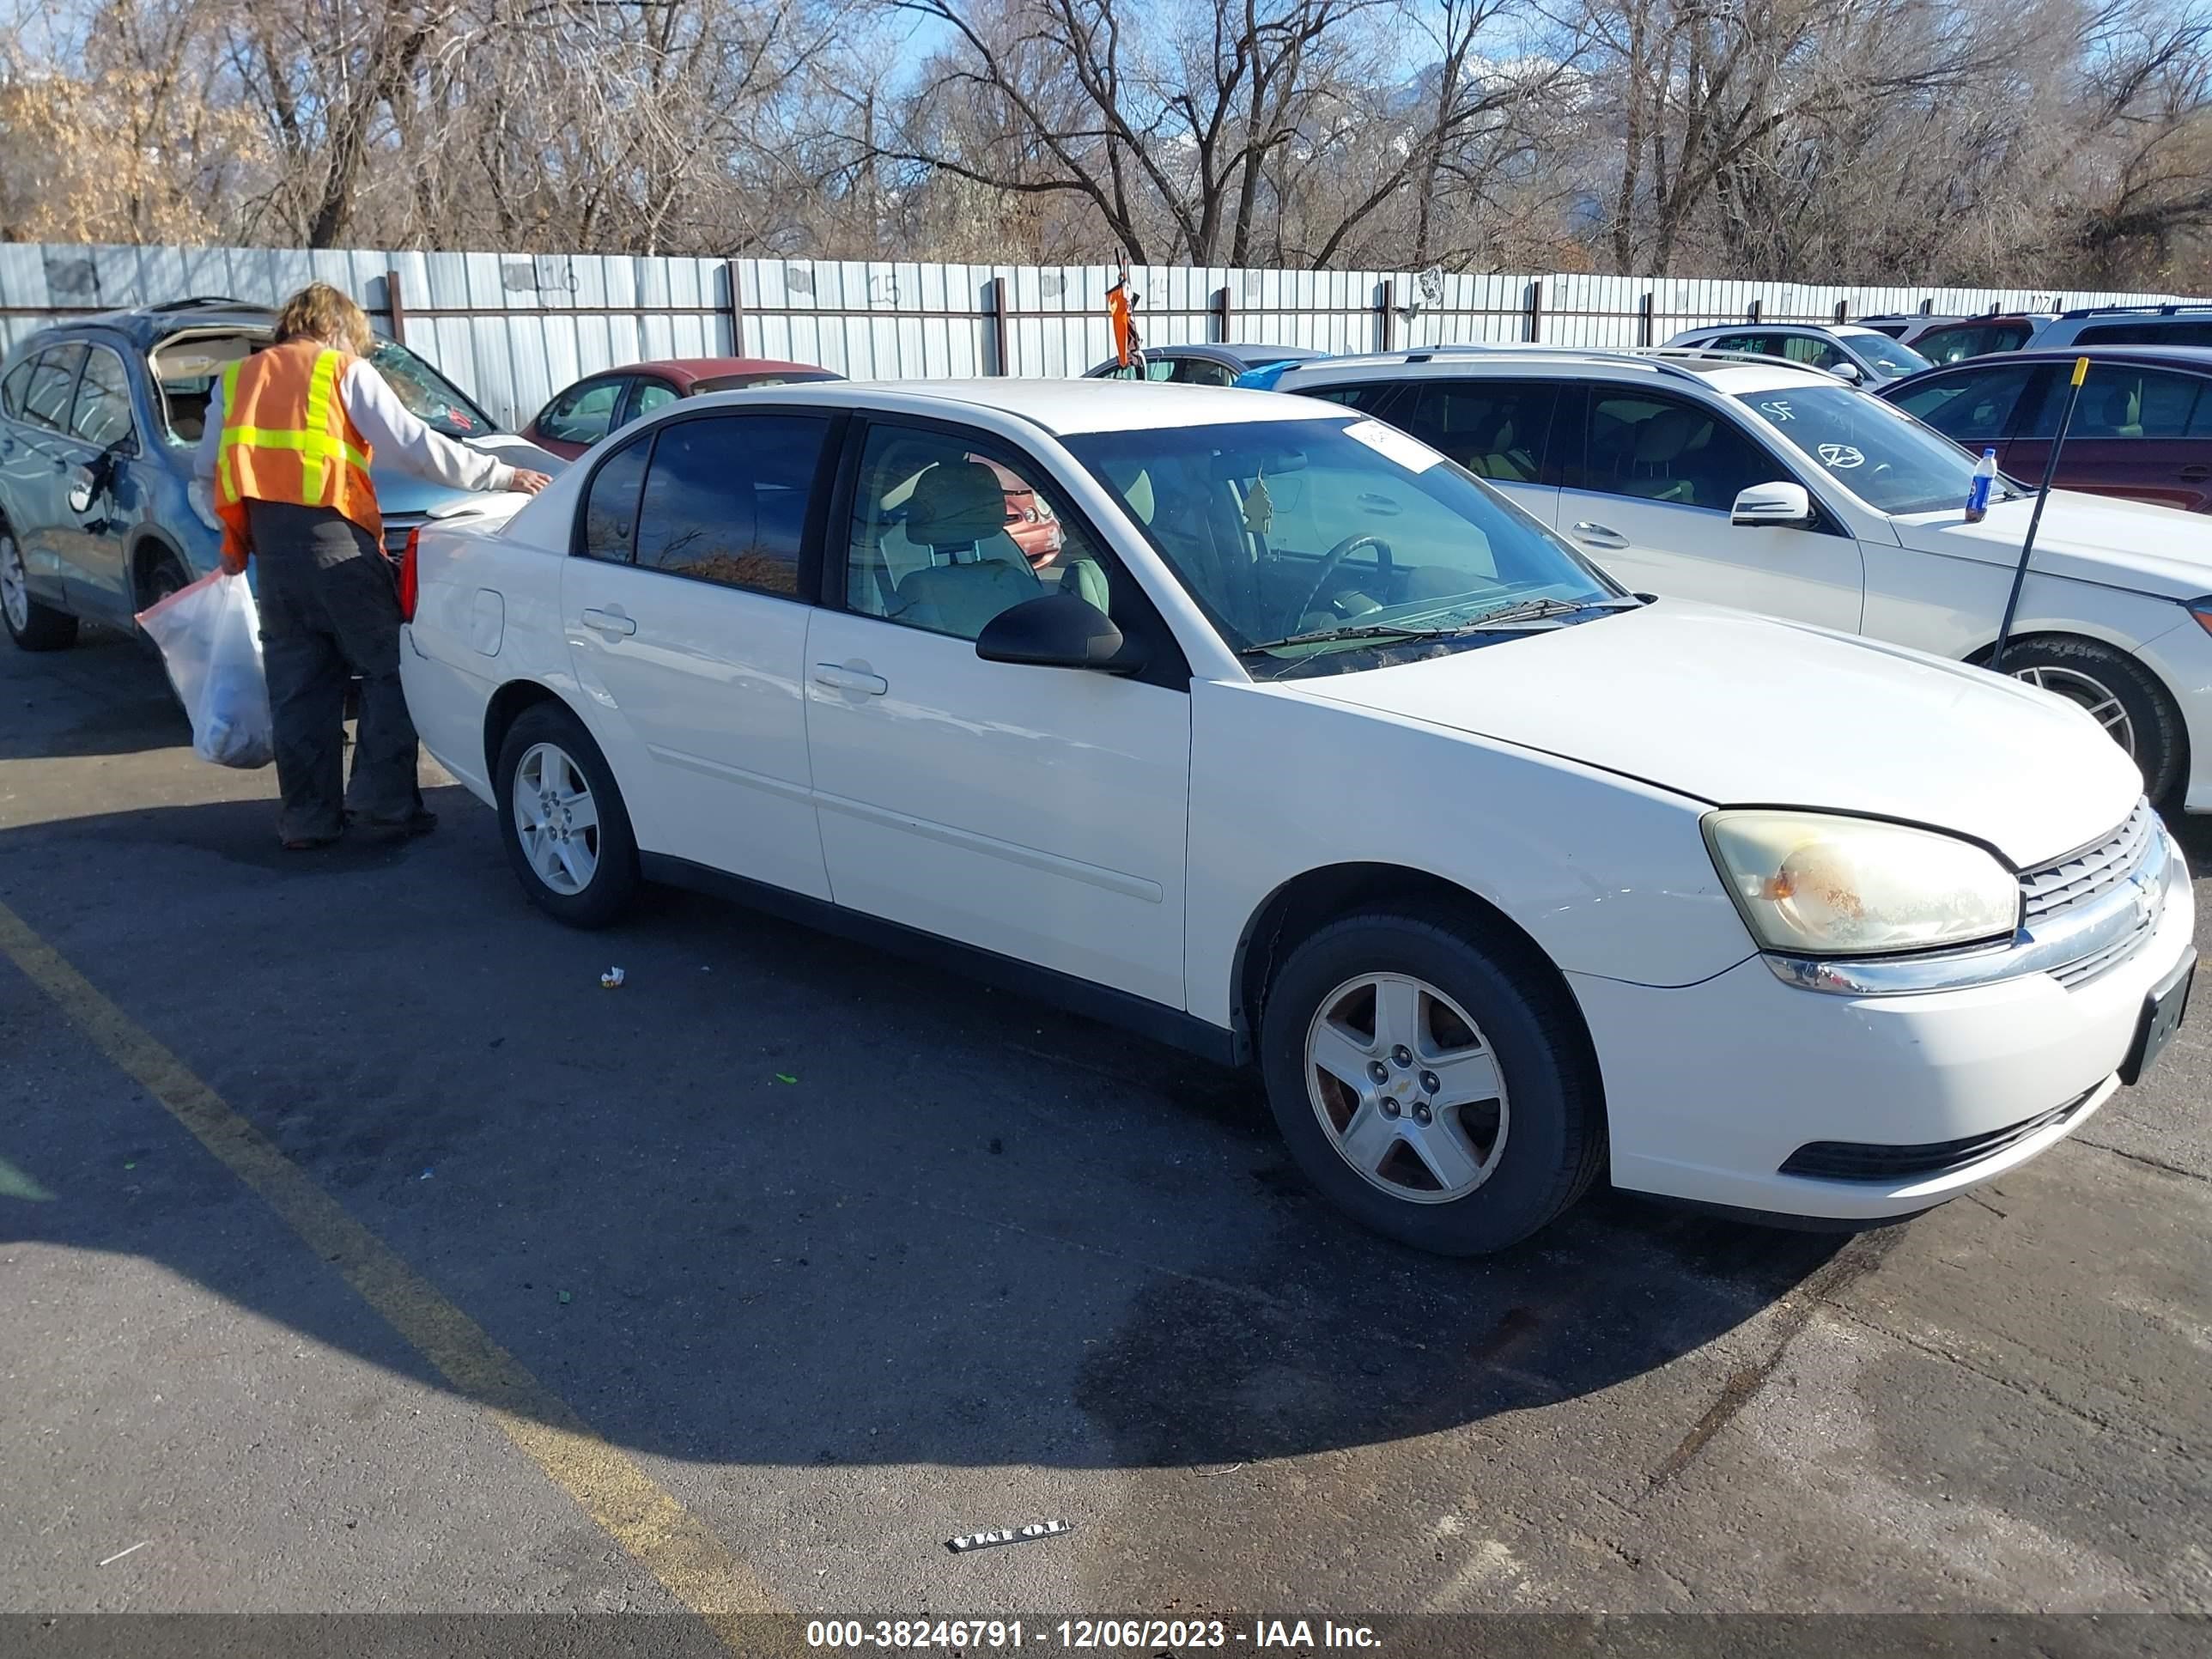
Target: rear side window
12	388
1952	345
102	414
583	414
2121	401
1372	398
1497	429
611	509
1971	408
1199	371
726	497
53	384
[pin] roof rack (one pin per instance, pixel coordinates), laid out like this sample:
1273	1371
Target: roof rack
2170	308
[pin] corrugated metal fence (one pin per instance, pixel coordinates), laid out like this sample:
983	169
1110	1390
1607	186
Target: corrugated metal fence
515	328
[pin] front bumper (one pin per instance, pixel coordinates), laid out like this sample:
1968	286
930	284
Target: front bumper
1712	1089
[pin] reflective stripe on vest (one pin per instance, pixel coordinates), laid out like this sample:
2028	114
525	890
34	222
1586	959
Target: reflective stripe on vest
316	444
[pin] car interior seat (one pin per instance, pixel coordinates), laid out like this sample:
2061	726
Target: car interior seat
2121	412
1656	457
959	512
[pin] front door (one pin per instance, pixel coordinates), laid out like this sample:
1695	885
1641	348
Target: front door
685	612
99	494
38	457
1036	813
1650	504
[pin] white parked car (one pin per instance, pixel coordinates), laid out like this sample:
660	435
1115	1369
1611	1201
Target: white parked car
1779	490
1309	750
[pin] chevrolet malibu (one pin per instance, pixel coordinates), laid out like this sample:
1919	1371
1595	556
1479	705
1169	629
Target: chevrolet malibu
1309	750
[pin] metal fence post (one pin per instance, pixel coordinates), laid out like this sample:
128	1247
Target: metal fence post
1221	304
396	306
1842	312
1754	313
1389	313
1003	363
1644	318
737	309
1536	309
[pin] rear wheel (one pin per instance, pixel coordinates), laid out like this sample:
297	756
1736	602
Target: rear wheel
1429	1083
562	817
2118	693
33	626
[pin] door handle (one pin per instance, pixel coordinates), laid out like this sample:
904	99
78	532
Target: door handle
1599	535
838	678
609	622
2196	472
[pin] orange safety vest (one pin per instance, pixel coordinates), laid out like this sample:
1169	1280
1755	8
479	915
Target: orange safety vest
287	437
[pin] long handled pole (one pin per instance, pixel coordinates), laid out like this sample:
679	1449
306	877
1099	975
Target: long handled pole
2026	547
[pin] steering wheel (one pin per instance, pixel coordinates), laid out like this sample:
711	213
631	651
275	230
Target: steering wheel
1335	557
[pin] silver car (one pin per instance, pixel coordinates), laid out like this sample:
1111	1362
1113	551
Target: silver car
1864	357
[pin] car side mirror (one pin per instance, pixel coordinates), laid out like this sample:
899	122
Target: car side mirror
1848	372
1055	630
1773	504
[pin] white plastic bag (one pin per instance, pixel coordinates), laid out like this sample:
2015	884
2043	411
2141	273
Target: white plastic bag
209	635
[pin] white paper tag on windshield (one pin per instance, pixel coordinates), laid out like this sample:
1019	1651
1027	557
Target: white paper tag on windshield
1409	452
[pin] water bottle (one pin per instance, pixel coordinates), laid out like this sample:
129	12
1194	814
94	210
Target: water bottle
1977	493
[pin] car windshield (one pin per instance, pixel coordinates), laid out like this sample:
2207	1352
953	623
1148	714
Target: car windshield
1305	540
429	396
1892	357
1885	458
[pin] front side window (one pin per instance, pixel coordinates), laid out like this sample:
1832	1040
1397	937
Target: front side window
1494	428
1892	357
12	388
102	412
1309	542
1972	408
53	386
1660	449
948	531
1372	398
1953	345
1811	351
726	499
1885	458
583	414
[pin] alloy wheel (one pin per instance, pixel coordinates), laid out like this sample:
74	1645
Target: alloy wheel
555	818
15	584
1405	1088
2087	692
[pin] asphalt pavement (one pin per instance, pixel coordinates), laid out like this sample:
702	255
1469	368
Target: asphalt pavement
828	1258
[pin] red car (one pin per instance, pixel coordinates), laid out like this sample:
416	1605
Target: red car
586	412
2142	428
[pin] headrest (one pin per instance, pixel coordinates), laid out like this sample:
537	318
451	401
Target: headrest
955	504
1665	435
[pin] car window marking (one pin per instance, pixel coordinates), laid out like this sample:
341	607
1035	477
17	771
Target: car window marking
1394	446
1841	458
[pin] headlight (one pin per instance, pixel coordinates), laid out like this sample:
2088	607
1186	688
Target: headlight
1837	886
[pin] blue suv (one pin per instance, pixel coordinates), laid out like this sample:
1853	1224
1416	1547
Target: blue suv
99	417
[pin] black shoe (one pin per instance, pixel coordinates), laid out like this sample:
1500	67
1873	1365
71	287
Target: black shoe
420	821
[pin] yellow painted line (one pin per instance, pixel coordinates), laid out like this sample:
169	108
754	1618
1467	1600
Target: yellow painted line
671	1543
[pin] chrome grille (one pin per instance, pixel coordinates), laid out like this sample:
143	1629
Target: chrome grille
2082	875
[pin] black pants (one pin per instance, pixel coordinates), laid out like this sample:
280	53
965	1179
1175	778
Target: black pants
329	612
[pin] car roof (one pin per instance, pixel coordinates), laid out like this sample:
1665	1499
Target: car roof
148	325
708	369
1062	407
1732	375
2198	359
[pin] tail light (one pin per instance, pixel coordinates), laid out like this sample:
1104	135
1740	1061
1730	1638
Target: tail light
408	578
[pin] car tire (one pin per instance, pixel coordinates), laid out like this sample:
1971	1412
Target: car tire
1532	1148
2119	693
562	818
31	625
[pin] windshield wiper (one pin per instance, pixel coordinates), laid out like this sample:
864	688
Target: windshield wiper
1364	631
1541	610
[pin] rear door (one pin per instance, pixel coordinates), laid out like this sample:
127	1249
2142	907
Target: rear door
2141	433
1648	499
686	611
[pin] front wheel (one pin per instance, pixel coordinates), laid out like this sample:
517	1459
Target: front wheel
562	817
1429	1083
2118	693
33	626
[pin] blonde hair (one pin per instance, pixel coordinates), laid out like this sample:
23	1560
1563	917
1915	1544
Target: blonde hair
319	312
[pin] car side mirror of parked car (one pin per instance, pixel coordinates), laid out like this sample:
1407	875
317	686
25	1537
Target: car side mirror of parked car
1847	372
1055	630
1773	504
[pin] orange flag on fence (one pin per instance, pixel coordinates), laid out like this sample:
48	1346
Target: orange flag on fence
1128	346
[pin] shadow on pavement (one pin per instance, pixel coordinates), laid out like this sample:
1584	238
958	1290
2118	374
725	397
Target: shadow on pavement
779	1200
135	712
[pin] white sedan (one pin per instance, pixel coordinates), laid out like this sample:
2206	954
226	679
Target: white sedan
1309	750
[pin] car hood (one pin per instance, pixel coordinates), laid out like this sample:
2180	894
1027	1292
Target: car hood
2100	538
1738	710
401	495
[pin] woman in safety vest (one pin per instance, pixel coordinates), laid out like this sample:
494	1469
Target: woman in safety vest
290	436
